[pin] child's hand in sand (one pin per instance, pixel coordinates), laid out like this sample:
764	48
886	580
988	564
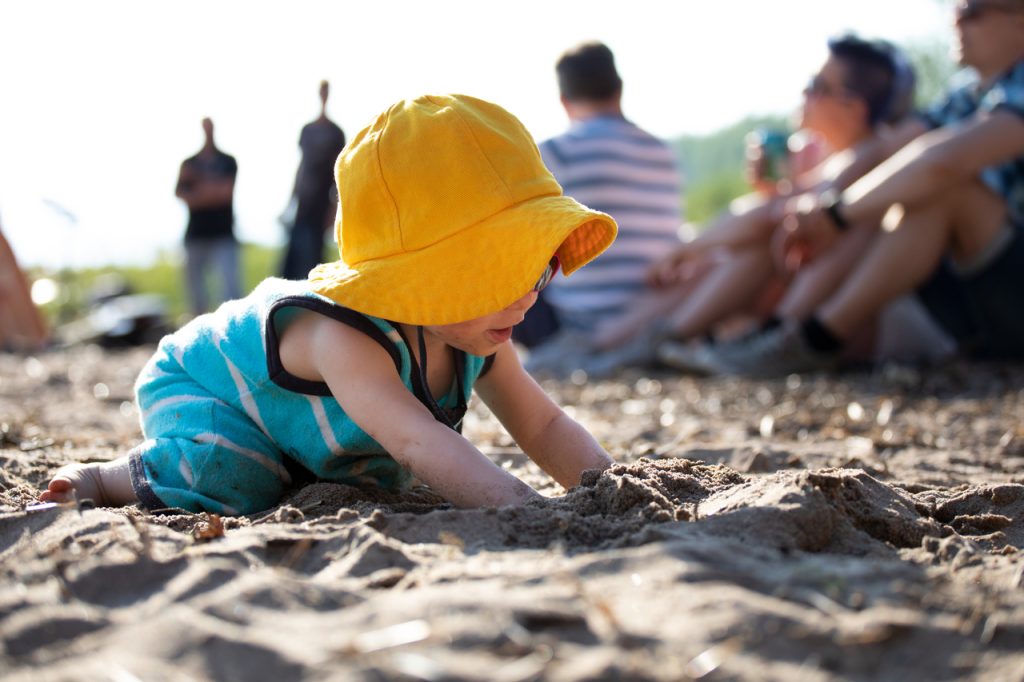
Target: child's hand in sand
106	484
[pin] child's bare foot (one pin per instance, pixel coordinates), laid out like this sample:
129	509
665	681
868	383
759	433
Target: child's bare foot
74	482
106	484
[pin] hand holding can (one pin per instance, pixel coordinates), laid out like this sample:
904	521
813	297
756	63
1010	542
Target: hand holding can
767	158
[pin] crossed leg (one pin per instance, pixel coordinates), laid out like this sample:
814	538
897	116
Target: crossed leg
720	289
962	222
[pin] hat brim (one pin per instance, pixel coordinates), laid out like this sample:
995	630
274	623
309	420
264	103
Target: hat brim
481	270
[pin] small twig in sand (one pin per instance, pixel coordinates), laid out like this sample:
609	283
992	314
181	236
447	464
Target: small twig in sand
711	659
310	505
1018	578
297	552
145	538
29	446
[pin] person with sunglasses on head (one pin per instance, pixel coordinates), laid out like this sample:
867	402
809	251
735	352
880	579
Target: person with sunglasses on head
450	225
950	185
727	275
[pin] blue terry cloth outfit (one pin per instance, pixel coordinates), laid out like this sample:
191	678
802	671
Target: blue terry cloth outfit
227	428
612	165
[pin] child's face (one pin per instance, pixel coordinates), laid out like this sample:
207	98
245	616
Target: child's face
483	335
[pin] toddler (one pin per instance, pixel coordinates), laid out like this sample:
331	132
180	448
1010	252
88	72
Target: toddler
449	224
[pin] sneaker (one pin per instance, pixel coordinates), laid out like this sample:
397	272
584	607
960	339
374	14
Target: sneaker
775	352
640	351
691	357
560	355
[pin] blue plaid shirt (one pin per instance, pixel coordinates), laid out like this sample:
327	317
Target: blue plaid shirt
1006	179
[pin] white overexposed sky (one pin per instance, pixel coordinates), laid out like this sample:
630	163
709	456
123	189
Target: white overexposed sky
100	100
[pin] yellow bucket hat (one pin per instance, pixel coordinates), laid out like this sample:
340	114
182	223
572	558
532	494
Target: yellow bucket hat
447	213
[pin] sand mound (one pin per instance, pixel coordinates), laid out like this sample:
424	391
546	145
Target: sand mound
864	549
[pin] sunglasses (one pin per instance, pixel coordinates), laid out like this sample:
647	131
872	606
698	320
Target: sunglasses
973	9
817	87
549	274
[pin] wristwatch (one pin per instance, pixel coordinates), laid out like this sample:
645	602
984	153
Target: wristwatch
831	202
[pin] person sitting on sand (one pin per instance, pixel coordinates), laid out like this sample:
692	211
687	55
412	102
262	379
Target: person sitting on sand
451	224
951	190
729	271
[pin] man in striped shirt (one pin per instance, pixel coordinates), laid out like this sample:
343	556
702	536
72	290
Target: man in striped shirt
607	163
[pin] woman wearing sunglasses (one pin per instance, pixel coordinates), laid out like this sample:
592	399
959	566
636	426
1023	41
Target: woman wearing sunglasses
951	190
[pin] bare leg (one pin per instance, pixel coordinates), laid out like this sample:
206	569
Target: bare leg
690	310
106	484
964	220
725	288
814	283
718	287
641	313
724	291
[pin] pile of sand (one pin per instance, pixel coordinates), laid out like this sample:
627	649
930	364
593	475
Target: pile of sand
759	531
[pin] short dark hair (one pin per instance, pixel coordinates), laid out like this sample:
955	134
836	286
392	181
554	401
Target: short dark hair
587	72
878	73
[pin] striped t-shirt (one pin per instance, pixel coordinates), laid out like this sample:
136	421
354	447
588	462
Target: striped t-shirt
610	165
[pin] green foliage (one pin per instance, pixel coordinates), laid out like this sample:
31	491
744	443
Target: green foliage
933	67
713	166
703	156
712	194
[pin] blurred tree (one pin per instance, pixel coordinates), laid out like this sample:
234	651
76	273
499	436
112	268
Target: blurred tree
713	166
712	194
934	66
707	156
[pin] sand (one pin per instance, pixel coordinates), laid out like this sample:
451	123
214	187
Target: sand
867	526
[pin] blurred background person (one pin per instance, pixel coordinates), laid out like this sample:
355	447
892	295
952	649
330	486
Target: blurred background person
729	269
206	183
314	199
22	327
610	164
951	190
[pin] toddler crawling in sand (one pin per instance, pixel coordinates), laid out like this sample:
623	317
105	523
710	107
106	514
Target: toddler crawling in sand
450	225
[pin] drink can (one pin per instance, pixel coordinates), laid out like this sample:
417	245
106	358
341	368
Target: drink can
769	150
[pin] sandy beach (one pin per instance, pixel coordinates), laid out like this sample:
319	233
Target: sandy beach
868	526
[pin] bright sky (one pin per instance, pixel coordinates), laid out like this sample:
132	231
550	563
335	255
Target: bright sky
100	101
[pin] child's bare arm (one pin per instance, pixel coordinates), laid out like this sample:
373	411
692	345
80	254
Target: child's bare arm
363	379
556	442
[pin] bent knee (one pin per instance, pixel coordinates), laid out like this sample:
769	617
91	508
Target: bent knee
206	476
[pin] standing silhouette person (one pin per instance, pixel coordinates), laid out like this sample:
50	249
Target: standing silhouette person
206	183
314	195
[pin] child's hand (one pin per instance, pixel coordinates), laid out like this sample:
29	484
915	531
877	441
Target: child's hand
559	445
